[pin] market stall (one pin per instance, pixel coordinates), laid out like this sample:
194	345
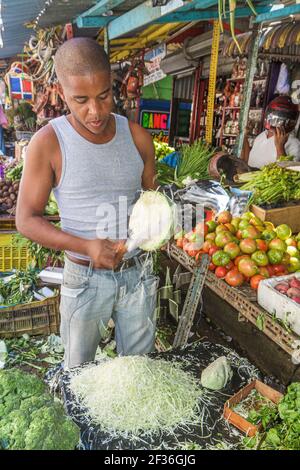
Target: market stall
233	259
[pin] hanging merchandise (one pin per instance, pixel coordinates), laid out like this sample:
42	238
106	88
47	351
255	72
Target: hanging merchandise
283	83
40	52
19	82
132	83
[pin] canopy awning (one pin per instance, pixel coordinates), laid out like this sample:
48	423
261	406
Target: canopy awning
280	40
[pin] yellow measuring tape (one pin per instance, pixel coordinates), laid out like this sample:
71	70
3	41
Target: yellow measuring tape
212	81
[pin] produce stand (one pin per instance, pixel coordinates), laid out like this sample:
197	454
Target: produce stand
245	312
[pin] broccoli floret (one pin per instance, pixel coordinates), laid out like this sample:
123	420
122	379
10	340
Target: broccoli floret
14	381
15	386
29	418
13	428
51	429
43	428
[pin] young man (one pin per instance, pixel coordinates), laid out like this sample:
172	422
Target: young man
95	162
277	139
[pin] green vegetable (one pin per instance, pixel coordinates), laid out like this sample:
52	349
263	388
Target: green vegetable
217	374
15	173
152	221
280	423
51	208
193	164
19	289
272	184
135	393
162	149
39	255
30	419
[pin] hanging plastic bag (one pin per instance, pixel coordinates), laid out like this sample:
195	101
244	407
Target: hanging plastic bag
283	82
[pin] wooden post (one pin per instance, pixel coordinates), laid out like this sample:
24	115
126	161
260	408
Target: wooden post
245	106
212	81
106	41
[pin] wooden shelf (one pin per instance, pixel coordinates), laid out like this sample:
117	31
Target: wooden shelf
236	79
230	135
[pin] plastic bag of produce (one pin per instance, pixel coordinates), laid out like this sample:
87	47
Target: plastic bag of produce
217	374
239	201
208	193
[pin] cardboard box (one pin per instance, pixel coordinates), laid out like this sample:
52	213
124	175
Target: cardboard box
289	215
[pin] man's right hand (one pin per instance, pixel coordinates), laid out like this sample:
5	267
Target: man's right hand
105	254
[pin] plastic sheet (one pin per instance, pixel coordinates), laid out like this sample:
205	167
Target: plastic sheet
212	429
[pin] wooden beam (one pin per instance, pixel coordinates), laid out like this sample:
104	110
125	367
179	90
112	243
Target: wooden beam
102	6
93	21
278	14
245	106
145	14
197	15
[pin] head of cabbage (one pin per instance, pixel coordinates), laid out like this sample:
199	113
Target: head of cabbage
217	374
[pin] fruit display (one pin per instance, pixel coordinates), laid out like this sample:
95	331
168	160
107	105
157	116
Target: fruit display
9	189
243	249
290	288
8	196
162	149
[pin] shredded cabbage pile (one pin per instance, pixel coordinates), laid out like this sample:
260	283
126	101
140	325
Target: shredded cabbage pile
134	394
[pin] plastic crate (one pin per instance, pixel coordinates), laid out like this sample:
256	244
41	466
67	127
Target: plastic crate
35	318
7	224
11	257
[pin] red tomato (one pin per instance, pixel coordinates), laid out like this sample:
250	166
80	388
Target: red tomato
207	246
270	269
262	245
211	266
234	278
229	266
264	272
192	253
239	234
279	269
238	259
179	242
220	272
255	280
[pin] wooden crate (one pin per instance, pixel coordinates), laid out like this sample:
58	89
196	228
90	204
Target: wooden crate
289	215
36	318
238	421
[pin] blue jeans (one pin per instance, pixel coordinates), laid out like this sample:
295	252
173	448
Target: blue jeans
90	298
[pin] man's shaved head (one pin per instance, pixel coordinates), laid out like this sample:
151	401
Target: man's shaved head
79	57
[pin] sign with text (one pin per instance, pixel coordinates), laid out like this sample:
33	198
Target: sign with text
155	121
152	63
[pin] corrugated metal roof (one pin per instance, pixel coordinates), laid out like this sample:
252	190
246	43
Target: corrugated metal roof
16	13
